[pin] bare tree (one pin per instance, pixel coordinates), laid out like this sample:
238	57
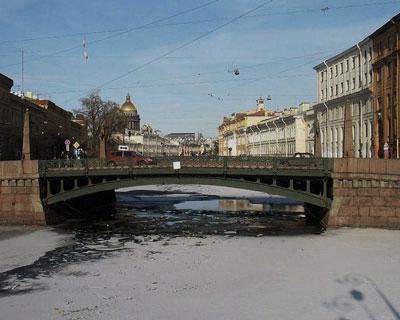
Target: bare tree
103	118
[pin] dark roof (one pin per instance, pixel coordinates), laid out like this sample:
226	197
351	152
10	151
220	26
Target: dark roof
386	26
5	83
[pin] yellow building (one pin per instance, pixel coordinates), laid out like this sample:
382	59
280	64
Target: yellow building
232	136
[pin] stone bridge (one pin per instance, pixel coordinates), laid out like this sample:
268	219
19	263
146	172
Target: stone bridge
336	192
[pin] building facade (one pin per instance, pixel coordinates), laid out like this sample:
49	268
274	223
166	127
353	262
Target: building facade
385	87
191	144
282	135
232	133
148	142
345	79
49	125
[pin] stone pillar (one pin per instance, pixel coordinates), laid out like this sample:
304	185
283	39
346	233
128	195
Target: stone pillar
26	143
20	201
348	148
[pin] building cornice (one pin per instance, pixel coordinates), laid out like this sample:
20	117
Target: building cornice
342	54
358	94
386	26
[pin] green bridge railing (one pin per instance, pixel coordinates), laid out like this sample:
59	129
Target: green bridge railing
248	162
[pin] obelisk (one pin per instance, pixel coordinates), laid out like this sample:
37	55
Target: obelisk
26	143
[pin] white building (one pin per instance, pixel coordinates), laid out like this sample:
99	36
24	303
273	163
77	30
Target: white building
148	142
345	78
232	133
284	134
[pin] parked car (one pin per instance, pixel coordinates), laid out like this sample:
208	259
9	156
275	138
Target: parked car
303	155
127	157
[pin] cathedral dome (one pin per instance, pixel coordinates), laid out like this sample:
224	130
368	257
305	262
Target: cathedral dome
128	106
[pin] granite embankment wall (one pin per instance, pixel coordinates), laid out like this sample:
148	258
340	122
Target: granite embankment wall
20	198
20	201
366	193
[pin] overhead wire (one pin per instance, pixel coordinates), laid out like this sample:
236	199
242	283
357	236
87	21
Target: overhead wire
173	84
219	19
122	32
184	45
147	26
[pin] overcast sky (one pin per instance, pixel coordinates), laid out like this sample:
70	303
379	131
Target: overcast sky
190	89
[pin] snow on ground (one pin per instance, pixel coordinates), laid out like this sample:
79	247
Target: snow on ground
298	277
22	245
202	189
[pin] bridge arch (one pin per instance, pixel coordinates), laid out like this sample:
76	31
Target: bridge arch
239	183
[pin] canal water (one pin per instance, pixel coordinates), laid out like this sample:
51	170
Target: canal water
196	214
149	216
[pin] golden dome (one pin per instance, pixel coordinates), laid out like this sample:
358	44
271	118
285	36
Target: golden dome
128	106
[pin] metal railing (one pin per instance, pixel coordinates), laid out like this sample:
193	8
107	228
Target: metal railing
223	162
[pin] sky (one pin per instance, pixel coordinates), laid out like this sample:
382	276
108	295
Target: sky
176	57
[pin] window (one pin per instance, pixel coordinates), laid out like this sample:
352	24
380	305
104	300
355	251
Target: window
370	53
331	91
353	86
347	65
336	135
366	77
331	71
370	76
322	94
353	64
336	90
322	76
347	85
336	70
341	87
389	43
359	81
365	56
341	68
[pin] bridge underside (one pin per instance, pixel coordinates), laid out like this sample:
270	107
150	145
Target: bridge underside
311	191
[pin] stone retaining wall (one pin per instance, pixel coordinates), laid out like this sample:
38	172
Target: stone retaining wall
366	193
20	201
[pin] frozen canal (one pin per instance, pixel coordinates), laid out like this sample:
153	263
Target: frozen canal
199	264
